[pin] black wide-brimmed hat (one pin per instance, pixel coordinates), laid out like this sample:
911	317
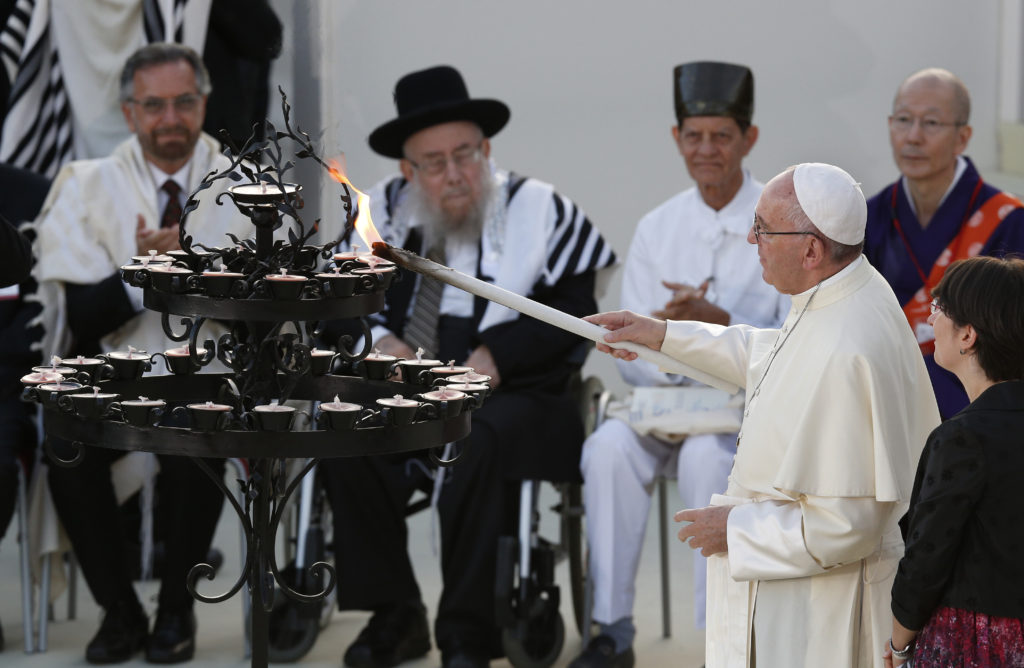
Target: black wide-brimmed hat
707	88
431	97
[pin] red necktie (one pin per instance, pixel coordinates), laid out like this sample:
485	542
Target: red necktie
172	212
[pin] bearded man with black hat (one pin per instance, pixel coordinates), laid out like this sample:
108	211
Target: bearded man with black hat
804	545
689	260
452	203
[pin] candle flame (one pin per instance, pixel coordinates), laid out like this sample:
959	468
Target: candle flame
364	222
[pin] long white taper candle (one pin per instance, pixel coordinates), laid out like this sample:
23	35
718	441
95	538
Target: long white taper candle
542	312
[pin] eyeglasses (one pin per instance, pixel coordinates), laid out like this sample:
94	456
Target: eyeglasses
930	126
461	157
155	106
758	233
936	307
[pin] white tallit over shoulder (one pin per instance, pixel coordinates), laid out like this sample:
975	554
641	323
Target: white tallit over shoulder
86	231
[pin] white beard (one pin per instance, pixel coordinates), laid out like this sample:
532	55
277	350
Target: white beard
437	224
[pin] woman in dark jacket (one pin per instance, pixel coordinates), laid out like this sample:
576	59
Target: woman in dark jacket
958	597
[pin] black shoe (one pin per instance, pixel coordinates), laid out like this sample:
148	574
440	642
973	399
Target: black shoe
464	659
394	634
121	635
173	639
600	653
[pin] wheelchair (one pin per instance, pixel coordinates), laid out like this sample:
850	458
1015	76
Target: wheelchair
527	599
294	626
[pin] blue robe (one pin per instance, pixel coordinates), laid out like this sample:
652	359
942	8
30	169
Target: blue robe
885	250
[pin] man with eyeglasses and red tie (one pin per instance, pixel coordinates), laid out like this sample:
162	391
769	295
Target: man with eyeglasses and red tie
939	211
98	214
452	203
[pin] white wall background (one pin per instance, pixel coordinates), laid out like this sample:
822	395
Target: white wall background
590	84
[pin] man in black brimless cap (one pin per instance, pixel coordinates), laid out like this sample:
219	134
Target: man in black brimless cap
689	260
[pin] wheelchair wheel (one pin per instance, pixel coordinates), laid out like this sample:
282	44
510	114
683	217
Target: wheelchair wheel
292	634
535	642
575	543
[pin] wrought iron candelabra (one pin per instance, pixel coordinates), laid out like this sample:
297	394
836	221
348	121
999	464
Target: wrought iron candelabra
274	295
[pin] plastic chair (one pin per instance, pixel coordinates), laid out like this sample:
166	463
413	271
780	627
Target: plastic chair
600	399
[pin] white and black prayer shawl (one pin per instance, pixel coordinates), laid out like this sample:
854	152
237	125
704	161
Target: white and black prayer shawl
532	235
38	130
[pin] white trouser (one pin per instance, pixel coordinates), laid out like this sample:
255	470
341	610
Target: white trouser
619	470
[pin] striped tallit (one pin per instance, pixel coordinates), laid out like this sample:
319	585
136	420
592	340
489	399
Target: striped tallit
37	132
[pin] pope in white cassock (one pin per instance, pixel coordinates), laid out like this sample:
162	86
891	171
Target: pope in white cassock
804	544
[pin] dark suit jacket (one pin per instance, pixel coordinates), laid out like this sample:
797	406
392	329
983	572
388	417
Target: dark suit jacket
965	527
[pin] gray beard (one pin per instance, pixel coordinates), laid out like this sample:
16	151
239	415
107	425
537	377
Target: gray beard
436	224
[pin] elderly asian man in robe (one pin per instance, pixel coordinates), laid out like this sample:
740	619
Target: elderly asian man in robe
802	547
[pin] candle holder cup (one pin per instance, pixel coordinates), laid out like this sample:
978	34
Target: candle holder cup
179	361
87	405
171	278
223	283
196	261
417	372
54	391
380	278
136	275
321	361
139	412
267	417
88	370
206	417
395	413
341	416
447	403
126	366
286	287
338	284
377	367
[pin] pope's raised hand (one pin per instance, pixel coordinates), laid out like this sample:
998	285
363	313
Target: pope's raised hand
628	326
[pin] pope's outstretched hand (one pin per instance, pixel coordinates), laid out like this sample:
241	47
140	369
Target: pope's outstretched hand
628	326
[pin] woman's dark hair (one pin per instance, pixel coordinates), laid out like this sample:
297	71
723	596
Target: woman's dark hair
988	294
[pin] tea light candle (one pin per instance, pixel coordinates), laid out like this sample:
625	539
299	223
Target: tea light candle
444	394
346	256
285	276
378	356
468	377
59	386
339	405
132	354
210	406
450	369
183	352
222	271
144	401
37	377
273	408
397	401
468	388
169	269
152	258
